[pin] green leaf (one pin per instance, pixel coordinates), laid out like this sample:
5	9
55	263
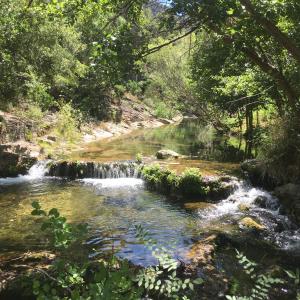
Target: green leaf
230	11
54	212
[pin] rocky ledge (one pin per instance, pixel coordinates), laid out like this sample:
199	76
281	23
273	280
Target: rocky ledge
15	159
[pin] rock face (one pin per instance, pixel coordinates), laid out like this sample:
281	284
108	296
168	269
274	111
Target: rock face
15	160
289	196
258	174
165	153
12	128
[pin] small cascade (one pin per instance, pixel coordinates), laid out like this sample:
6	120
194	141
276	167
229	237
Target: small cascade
80	170
248	201
36	172
245	196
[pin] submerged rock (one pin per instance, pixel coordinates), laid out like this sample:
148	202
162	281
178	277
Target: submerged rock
198	205
251	224
201	253
165	153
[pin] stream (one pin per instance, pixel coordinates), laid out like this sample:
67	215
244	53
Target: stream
113	206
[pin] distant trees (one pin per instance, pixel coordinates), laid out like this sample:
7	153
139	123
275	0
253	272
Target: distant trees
68	50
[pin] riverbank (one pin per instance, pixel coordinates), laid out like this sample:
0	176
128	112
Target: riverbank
24	141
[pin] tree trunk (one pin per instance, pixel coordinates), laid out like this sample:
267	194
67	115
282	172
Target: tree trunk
283	39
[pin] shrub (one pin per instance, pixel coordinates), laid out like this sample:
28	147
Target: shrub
139	158
280	150
163	110
68	121
160	179
191	183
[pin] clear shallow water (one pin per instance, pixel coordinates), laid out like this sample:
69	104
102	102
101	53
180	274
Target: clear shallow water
211	153
112	208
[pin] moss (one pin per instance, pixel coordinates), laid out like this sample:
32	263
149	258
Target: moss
157	178
189	184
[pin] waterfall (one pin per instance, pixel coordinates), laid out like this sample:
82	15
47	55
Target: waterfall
36	172
80	170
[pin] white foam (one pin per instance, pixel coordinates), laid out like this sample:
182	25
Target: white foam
243	195
111	183
36	172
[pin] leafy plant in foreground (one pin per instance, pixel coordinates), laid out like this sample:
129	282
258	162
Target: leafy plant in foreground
163	277
69	279
262	283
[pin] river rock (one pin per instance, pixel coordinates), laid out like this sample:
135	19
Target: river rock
243	207
165	121
261	201
198	205
249	223
220	187
289	196
202	251
201	255
165	153
15	160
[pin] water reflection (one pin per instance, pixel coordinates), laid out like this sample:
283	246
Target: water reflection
190	138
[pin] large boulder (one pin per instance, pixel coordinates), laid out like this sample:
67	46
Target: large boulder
258	173
165	153
289	196
15	160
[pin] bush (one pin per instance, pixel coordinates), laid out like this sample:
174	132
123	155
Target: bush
280	150
160	179
191	183
68	123
162	110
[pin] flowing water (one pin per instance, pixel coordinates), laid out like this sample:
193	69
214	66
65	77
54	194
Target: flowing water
113	205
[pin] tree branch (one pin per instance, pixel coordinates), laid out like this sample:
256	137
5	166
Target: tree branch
273	30
157	48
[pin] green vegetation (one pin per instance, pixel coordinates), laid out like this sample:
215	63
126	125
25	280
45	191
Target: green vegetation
262	283
233	63
163	277
189	183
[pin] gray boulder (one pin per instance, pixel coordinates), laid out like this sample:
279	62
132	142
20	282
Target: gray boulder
165	153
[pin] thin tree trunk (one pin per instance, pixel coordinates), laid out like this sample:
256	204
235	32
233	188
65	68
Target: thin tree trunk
283	39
